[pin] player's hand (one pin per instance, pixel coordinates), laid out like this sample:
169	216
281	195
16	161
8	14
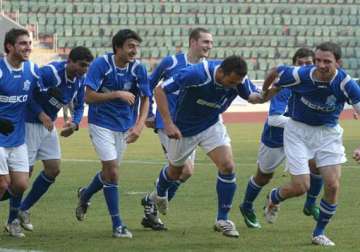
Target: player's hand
133	135
150	122
356	155
46	121
6	127
172	131
55	92
68	129
125	96
355	115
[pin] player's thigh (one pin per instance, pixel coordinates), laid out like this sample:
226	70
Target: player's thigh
19	181
331	150
34	134
269	158
50	147
223	158
120	145
213	137
4	155
296	137
18	159
180	150
104	142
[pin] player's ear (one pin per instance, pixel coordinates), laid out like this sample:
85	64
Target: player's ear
339	63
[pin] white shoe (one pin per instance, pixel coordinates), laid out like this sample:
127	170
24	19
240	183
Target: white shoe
162	204
271	210
24	217
322	240
14	229
122	232
227	227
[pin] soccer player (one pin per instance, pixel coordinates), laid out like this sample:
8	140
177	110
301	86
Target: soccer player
205	91
200	44
19	78
271	154
312	132
115	84
65	82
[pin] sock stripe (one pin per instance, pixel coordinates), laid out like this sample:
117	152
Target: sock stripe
47	179
229	181
253	183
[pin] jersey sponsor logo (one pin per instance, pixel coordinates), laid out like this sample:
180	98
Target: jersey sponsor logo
13	98
27	84
55	103
329	106
208	104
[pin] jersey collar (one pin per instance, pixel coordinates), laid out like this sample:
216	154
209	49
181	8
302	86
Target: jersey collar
11	68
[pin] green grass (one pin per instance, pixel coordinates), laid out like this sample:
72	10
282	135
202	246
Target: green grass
192	212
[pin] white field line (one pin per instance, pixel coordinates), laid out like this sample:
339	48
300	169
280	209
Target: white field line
18	250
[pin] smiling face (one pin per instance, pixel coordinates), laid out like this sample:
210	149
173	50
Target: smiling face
228	80
78	68
127	53
202	46
21	50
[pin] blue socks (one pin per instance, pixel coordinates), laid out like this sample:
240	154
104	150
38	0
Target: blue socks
326	212
95	186
111	194
14	206
163	183
39	188
275	196
252	191
316	183
173	188
225	187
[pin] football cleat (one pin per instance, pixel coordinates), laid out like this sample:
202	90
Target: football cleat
14	229
82	207
270	210
313	211
322	240
162	204
249	217
24	217
227	228
122	232
151	219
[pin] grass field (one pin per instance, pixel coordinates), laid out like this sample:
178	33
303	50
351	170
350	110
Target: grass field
191	214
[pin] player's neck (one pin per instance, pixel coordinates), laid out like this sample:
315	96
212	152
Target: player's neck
13	61
119	62
192	59
70	74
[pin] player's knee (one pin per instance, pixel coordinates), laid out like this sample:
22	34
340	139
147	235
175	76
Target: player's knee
332	186
20	187
187	172
227	167
4	184
300	188
174	173
262	179
52	173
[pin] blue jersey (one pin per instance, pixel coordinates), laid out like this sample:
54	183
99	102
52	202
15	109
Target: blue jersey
169	66
201	99
317	103
105	76
273	136
54	75
16	87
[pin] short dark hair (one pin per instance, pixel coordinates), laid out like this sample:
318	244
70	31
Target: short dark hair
330	47
121	36
302	53
12	35
195	33
81	53
234	64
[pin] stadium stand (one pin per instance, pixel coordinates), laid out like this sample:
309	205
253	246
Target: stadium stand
265	32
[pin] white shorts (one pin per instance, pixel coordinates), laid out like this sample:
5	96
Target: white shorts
269	158
41	144
109	144
164	140
180	150
14	159
303	142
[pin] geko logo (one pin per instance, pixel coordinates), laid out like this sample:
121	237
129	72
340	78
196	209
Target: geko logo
13	99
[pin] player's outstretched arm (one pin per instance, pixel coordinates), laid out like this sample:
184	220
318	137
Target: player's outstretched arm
161	100
267	91
135	132
46	121
92	96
